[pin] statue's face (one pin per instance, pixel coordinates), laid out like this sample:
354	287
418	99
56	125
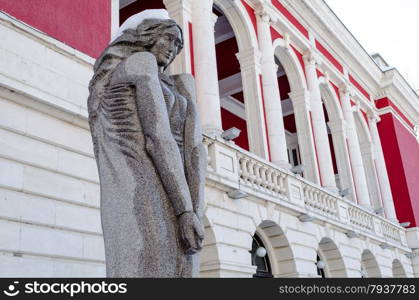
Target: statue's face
167	46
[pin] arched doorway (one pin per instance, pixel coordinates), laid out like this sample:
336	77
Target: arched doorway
398	270
366	147
278	248
260	258
329	253
369	265
209	258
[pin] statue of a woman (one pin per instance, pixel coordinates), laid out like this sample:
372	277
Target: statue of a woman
149	152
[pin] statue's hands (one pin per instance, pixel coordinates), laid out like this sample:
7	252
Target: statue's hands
191	232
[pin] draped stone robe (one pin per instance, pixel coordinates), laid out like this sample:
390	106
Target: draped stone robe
148	175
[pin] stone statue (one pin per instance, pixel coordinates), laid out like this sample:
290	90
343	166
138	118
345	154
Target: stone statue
149	152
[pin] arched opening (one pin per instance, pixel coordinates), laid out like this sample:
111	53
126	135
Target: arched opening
295	108
365	145
279	251
291	136
320	265
232	100
260	258
329	253
245	55
369	265
337	138
209	258
398	270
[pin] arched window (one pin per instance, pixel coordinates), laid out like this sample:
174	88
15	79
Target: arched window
260	259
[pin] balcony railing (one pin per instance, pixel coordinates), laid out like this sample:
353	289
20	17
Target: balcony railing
230	167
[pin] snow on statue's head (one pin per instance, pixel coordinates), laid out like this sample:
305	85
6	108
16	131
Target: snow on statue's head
146	26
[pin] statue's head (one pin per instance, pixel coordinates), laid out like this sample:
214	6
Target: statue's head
163	38
153	31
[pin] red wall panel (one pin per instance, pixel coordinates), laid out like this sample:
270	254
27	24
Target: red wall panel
275	34
284	87
230	120
401	152
384	102
329	56
359	87
84	25
289	123
290	17
227	62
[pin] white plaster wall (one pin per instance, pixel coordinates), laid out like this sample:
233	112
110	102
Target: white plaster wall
49	192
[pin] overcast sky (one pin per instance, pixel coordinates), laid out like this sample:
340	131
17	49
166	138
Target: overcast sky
389	27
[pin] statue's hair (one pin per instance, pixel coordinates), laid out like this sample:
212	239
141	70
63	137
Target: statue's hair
141	39
146	34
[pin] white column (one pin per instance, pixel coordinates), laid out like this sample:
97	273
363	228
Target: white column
368	159
319	125
381	169
337	129
250	72
205	64
360	180
301	103
272	99
114	17
180	11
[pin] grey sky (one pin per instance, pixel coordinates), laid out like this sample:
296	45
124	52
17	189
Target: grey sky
389	27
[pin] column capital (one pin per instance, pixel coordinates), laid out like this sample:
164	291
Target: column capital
300	97
346	90
312	57
262	15
373	116
175	6
249	58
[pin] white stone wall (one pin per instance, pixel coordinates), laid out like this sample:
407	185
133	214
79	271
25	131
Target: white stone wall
49	192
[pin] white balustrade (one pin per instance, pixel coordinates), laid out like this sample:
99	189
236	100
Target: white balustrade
361	219
320	201
261	176
390	231
264	178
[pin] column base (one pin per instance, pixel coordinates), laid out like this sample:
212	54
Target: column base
332	189
282	164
